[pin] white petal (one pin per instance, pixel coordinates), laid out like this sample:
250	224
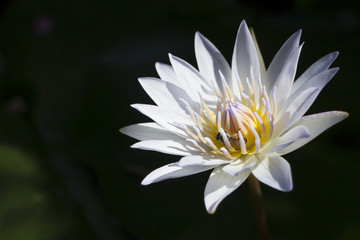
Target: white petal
261	60
164	117
220	185
286	77
190	79
317	82
197	160
167	73
280	60
289	137
173	147
316	124
274	171
148	131
293	111
244	57
236	167
166	95
319	66
210	61
172	170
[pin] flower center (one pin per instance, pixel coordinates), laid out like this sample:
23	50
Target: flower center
238	124
235	125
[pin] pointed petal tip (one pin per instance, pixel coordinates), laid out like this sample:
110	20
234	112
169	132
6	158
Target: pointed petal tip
199	38
134	105
296	36
243	27
287	185
243	24
330	58
210	206
287	188
173	58
335	54
123	130
146	182
144	79
335	69
135	145
291	187
141	79
343	114
157	64
211	212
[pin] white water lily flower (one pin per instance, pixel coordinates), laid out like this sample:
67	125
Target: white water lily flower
236	120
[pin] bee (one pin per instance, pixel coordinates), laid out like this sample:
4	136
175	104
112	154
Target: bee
219	137
234	140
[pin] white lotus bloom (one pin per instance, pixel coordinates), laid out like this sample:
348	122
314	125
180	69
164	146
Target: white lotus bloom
235	120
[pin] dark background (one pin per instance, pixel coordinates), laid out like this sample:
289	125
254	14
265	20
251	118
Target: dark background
68	73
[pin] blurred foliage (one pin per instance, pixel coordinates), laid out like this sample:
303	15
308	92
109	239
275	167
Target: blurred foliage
68	74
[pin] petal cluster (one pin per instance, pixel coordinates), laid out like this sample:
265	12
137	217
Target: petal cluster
237	120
